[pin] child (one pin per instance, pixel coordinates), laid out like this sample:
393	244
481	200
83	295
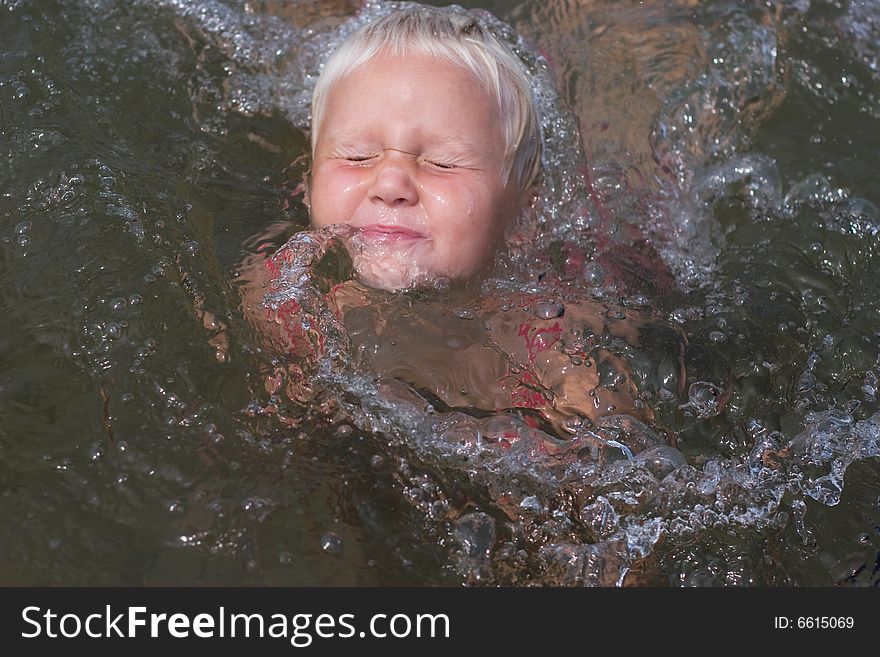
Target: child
425	140
426	146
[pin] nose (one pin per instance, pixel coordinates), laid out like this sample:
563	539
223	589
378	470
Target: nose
393	182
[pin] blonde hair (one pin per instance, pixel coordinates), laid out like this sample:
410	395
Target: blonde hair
459	39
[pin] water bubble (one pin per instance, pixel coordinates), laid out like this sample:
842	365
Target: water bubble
464	313
331	543
703	399
548	309
285	558
661	460
718	336
475	534
22	227
117	304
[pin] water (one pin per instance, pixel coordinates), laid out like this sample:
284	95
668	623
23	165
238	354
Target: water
725	194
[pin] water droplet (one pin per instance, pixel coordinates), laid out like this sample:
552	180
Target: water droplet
548	309
331	543
718	336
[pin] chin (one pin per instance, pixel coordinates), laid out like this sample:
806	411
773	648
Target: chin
388	273
394	275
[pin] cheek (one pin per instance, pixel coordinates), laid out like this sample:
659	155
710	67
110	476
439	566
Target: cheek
472	214
334	194
469	227
455	202
455	208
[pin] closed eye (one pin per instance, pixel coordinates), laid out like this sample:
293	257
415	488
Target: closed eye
358	158
440	164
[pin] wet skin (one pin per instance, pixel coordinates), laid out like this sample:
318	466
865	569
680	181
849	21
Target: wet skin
409	154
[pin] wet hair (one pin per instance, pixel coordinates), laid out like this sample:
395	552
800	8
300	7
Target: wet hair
458	38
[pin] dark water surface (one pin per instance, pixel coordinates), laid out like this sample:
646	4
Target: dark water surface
147	148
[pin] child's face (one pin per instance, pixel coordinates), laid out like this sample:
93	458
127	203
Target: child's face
409	154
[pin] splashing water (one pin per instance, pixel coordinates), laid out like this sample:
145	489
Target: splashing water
729	210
